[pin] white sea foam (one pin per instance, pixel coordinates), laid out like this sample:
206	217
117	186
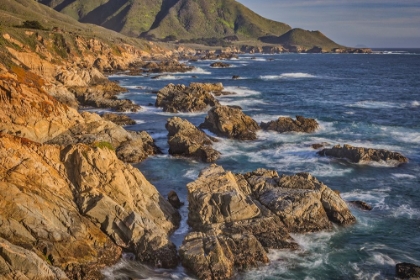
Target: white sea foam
239	92
192	174
403	176
168	77
198	70
287	76
406	210
371	104
415	103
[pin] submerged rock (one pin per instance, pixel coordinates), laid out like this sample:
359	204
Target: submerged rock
187	140
364	155
179	98
174	200
230	122
361	204
285	124
237	218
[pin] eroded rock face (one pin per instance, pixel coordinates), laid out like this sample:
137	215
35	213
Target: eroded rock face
364	155
125	205
72	208
230	122
237	217
285	124
179	98
39	213
130	146
187	140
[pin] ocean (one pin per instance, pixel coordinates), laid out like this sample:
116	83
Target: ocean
368	100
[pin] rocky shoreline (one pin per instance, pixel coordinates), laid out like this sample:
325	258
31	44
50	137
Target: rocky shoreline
71	202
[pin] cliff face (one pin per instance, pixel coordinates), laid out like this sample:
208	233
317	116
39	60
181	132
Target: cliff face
72	207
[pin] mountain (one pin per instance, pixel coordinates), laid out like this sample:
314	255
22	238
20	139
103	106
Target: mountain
185	19
302	38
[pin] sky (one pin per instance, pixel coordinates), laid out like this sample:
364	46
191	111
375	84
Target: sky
372	23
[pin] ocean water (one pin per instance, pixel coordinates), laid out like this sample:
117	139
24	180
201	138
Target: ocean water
363	100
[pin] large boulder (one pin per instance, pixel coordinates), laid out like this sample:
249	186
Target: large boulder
187	140
285	124
119	119
230	122
236	218
179	98
167	66
364	155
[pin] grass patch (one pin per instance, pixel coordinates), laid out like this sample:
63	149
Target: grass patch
103	145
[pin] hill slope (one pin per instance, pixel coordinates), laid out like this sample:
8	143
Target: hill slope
303	38
185	19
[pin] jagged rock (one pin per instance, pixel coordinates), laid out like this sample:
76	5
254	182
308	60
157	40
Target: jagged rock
179	98
19	263
285	124
118	119
104	95
407	271
216	87
174	200
93	130
28	111
40	215
317	146
125	205
230	122
212	256
167	66
301	202
220	65
361	204
364	155
187	140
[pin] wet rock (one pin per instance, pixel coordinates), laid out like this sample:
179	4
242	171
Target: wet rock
285	124
138	148
364	155
220	65
119	119
361	204
317	146
187	140
407	271
230	122
235	77
179	98
174	200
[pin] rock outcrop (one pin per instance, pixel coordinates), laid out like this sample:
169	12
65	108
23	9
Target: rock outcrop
236	218
220	65
364	155
119	119
75	209
285	124
187	140
407	271
230	122
179	98
93	130
166	66
361	205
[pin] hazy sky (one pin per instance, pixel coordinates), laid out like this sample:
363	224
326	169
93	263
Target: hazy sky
374	23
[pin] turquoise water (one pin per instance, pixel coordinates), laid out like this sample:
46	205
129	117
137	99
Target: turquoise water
362	100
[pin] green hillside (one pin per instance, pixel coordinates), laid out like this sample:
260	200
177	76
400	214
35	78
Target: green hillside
303	38
185	19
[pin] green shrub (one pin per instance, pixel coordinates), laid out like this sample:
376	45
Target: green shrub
103	145
32	24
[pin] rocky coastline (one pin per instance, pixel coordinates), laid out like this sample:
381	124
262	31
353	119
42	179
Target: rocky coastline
72	203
